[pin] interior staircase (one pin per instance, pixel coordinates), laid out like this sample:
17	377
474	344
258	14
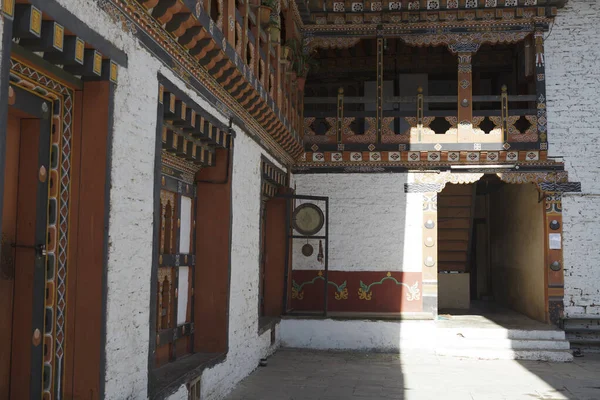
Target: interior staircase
455	215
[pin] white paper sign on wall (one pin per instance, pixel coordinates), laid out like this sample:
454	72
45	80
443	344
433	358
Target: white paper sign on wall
554	241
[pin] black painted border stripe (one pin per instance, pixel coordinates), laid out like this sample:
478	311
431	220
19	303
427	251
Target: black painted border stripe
4	83
81	29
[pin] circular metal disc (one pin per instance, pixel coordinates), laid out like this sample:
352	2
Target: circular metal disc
307	250
308	219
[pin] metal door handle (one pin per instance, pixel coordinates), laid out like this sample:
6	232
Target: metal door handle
39	248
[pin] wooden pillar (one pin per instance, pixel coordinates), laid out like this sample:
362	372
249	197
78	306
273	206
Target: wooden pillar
540	87
379	80
267	71
430	253
504	114
245	11
229	15
4	92
465	95
256	53
276	74
90	200
340	114
301	119
554	257
288	94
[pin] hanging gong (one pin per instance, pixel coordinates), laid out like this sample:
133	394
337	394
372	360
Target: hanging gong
308	219
307	250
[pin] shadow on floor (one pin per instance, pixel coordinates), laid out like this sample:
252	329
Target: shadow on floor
321	375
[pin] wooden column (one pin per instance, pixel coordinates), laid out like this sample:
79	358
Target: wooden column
267	72
245	11
229	15
465	95
288	94
340	114
555	289
430	253
379	79
90	199
301	121
256	44
540	87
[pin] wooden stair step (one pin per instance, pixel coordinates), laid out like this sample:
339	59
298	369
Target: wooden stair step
453	234
454	201
454	223
451	245
459	256
454	212
451	266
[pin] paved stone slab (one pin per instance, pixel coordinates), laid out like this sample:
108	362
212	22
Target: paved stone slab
321	375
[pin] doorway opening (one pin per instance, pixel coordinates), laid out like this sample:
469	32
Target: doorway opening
491	250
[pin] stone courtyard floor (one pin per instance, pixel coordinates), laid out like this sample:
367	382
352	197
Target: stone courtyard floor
319	375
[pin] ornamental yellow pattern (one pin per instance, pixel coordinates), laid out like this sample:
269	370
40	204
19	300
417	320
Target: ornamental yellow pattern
343	295
297	295
362	295
341	292
413	294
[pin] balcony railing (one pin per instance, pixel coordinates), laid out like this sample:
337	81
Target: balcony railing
421	122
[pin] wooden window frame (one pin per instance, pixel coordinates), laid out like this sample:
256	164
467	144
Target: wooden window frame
191	146
175	260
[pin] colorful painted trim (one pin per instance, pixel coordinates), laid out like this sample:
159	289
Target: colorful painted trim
298	293
365	293
54	340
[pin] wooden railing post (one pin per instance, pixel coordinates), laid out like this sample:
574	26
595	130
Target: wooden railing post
465	95
504	108
420	106
379	104
340	114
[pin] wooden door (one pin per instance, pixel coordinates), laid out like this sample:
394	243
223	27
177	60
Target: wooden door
24	239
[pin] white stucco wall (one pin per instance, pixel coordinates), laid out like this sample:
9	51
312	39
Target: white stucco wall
573	87
373	224
246	348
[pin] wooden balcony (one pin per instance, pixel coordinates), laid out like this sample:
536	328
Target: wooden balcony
421	123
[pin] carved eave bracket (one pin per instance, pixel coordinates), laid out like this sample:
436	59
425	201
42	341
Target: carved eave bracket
201	55
314	43
464	42
546	182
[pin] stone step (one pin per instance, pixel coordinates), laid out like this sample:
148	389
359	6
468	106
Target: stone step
506	344
501	333
499	354
573	317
